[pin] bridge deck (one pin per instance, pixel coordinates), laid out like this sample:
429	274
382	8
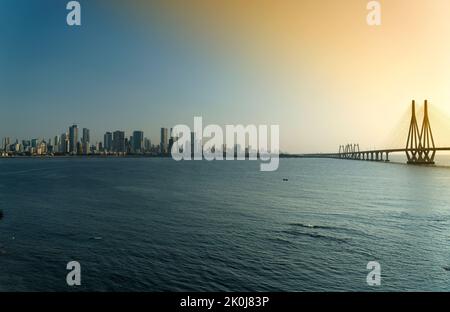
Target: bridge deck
336	155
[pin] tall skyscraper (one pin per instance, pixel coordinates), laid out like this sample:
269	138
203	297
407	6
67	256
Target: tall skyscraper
108	142
192	143
73	139
119	141
171	141
127	145
147	145
138	141
85	141
64	143
6	143
164	141
86	136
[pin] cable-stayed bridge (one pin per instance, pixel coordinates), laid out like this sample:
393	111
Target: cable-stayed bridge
420	148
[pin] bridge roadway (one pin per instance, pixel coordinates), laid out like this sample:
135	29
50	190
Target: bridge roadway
371	155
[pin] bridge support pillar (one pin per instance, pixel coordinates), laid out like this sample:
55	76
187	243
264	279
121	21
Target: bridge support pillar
420	148
387	157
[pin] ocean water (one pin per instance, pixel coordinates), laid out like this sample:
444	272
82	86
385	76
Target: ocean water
149	224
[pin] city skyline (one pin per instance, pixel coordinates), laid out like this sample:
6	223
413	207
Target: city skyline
309	66
119	143
70	142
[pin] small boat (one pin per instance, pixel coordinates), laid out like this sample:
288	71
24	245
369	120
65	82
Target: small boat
285	179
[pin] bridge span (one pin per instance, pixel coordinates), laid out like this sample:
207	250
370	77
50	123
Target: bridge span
420	148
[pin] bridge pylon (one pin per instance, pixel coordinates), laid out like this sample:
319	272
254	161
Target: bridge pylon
420	148
427	141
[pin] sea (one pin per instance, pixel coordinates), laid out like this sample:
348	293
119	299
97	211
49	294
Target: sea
154	224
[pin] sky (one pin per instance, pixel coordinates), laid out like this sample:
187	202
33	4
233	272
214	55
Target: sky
314	67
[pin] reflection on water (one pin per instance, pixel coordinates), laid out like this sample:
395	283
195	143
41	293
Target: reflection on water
442	159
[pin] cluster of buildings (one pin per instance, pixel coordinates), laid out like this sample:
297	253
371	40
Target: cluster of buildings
76	142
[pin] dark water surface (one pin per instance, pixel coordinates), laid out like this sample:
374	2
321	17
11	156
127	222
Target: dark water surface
156	225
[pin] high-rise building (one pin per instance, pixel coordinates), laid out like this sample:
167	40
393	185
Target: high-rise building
86	136
26	144
85	141
147	145
73	139
6	144
50	147
41	148
164	141
192	143
99	147
126	145
64	143
108	142
119	141
18	148
171	140
79	148
138	141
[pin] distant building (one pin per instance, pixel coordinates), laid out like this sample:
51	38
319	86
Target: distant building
171	141
18	148
164	141
147	145
85	141
86	136
73	139
41	148
192	143
127	145
79	148
26	144
119	141
56	144
99	147
108	142
138	141
6	144
64	143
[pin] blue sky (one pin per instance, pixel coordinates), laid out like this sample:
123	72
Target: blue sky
110	73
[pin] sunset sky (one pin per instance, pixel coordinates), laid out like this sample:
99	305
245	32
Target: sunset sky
312	66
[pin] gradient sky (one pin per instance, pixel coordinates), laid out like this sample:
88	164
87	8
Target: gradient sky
314	67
